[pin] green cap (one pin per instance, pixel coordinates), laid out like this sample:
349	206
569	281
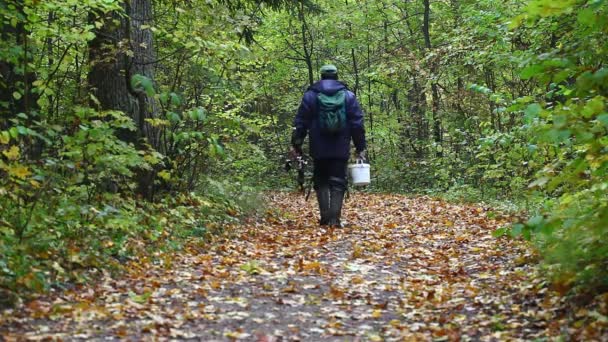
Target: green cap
329	69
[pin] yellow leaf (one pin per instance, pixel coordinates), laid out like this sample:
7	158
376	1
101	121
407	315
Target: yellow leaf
158	122
374	337
152	159
358	280
12	153
291	288
19	171
312	266
377	313
164	174
357	252
395	323
4	137
237	335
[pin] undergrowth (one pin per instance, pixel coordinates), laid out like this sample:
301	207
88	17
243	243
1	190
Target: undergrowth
79	241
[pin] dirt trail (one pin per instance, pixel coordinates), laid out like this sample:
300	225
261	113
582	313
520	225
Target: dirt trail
408	268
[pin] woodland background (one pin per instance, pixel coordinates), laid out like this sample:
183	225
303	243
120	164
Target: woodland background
128	127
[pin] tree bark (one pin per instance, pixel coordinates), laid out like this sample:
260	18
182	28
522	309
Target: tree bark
143	63
417	99
307	43
107	77
17	93
120	50
437	135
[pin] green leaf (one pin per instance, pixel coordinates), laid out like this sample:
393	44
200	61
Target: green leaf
560	120
586	17
593	107
251	267
535	221
557	135
143	83
584	137
516	229
549	8
13	132
17	95
175	99
531	71
539	182
23	130
173	117
164	98
601	75
532	111
197	114
499	232
143	298
603	119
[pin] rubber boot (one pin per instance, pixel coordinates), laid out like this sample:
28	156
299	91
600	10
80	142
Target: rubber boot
323	199
336	198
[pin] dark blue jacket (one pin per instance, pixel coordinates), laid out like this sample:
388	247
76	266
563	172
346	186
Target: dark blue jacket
324	146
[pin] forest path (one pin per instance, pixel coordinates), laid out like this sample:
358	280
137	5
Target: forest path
408	268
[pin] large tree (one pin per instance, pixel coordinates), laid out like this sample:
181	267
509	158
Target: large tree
123	48
122	53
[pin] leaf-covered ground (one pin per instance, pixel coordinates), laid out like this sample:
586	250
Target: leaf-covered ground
408	268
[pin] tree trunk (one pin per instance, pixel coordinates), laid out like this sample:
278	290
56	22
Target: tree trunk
494	115
307	43
16	81
417	99
370	103
437	135
143	63
120	50
356	71
108	76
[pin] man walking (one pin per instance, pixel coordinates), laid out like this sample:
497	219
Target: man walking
331	115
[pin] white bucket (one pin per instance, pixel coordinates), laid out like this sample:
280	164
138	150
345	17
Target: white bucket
359	173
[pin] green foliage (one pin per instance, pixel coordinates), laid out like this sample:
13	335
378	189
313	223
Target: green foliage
71	174
571	231
63	216
51	205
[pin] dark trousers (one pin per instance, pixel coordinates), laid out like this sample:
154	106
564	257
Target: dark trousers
330	172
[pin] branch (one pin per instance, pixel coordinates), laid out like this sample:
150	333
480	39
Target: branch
52	74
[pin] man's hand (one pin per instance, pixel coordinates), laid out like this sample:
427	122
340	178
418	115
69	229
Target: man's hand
295	152
361	156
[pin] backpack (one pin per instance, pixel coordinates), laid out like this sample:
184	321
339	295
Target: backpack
332	112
